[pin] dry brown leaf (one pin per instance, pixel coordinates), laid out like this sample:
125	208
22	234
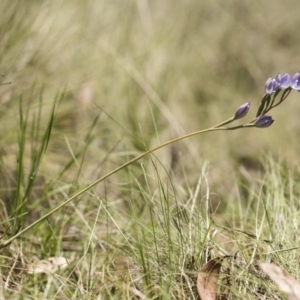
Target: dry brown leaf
208	278
285	282
47	266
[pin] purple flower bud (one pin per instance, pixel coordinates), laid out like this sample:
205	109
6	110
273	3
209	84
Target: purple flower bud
295	82
263	121
276	85
272	85
242	111
278	78
285	81
269	86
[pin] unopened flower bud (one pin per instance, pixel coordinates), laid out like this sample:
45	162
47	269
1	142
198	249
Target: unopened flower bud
272	85
242	111
285	81
263	121
295	82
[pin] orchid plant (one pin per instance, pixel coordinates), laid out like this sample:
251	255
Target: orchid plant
276	91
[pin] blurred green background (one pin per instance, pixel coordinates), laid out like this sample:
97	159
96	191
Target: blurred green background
154	69
127	75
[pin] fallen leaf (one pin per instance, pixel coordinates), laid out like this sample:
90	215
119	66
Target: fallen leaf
47	266
285	282
208	278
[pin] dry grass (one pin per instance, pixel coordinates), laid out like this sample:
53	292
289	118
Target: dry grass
126	76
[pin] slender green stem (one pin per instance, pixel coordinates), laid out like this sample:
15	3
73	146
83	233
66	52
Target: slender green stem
214	128
224	123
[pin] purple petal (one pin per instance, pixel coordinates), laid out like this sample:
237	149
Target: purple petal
269	86
295	82
263	121
242	111
276	85
285	81
278	78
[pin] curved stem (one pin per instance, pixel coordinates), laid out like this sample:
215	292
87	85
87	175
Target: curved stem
214	128
224	123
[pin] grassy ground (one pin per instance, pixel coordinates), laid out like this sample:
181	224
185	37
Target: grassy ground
96	83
